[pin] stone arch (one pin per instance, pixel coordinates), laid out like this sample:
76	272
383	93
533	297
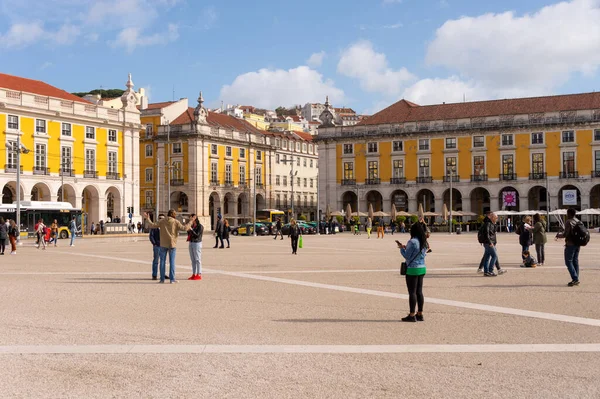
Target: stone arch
242	205
509	199
399	198
41	192
113	203
480	200
427	198
536	198
456	199
595	197
9	192
561	202
228	205
90	205
375	199
69	196
350	197
180	201
260	202
214	208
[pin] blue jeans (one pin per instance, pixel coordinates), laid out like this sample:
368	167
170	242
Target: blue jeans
196	257
163	261
490	258
523	249
155	259
572	261
73	232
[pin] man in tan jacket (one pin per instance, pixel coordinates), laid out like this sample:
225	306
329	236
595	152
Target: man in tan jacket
169	231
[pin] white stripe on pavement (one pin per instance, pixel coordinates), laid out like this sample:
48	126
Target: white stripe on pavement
286	349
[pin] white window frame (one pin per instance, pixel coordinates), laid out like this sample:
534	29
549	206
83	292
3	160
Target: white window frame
228	173
149	130
401	145
11	156
177	146
428	166
214	172
258	155
455	143
228	151
69	164
277	160
372	147
112	135
149	197
484	164
93	131
41	157
214	149
347	146
541	134
562	137
242	153
151	154
38	128
113	165
93	159
478	146
455	156
151	175
427	144
66	129
508	135
10	121
242	174
278	180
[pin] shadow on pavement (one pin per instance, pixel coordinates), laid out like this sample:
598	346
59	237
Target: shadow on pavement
335	321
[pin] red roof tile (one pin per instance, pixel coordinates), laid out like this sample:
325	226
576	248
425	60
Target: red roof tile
405	111
159	105
17	83
218	120
344	111
305	136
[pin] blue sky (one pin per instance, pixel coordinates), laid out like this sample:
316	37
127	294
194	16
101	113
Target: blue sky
365	54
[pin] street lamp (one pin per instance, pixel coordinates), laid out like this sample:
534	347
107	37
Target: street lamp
18	149
292	175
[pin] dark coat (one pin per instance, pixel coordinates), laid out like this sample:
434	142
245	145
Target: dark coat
490	231
195	232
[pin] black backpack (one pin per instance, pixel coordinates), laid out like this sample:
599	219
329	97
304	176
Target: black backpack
482	234
580	234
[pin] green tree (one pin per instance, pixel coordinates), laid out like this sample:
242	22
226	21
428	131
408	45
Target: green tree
104	93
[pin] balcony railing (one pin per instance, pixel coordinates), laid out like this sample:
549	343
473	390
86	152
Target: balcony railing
508	176
66	172
260	185
11	168
177	182
38	170
228	183
455	179
537	176
398	180
424	179
372	182
242	184
479	177
214	183
113	176
595	173
348	182
569	175
90	174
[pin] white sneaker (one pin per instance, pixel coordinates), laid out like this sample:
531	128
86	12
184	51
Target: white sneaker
13	253
72	245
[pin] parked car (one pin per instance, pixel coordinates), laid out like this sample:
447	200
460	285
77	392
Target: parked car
247	229
304	228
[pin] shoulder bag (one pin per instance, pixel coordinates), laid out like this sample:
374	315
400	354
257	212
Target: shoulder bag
404	265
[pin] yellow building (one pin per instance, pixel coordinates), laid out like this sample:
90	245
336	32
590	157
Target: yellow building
79	152
211	163
256	120
501	154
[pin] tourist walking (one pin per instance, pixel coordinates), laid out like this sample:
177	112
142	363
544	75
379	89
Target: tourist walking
294	234
278	229
487	237
226	230
539	237
54	232
369	227
3	236
13	233
195	247
169	231
154	237
73	230
380	228
93	229
219	232
102	226
414	253
40	231
573	229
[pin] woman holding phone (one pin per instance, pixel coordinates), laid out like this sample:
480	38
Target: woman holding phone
414	252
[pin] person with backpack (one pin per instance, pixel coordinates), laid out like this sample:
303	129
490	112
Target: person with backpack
154	237
487	236
539	237
576	236
195	239
13	233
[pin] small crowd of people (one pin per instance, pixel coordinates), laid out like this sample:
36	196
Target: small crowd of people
8	234
392	227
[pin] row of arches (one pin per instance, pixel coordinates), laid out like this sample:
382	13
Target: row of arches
480	199
90	197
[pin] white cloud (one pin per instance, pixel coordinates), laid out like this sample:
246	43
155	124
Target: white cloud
360	61
450	90
22	34
532	53
67	34
209	17
130	38
270	88
45	65
316	59
393	26
392	1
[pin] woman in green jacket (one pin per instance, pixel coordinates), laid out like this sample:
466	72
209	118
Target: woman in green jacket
539	237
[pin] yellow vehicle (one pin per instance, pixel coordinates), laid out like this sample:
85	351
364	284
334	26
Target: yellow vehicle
246	229
269	215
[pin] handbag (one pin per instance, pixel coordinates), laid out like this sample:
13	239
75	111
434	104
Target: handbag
300	242
404	265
